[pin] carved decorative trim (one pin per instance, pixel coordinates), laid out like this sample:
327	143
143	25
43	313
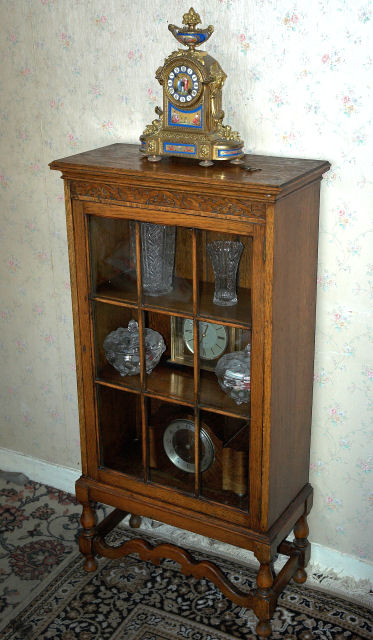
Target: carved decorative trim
253	599
145	196
189	566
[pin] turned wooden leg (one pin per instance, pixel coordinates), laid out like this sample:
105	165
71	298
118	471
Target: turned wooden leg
301	543
263	628
272	565
135	521
264	581
88	521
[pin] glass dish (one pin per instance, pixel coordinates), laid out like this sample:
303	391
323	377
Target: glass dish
233	373
123	353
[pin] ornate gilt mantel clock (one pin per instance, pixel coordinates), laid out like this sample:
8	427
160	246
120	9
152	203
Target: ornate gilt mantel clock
194	318
190	125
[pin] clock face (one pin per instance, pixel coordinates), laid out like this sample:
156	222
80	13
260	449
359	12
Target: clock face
213	339
178	442
183	85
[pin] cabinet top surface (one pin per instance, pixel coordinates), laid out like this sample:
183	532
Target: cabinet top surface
125	160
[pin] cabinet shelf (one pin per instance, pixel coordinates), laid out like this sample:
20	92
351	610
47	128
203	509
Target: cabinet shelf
186	486
177	386
121	288
227	498
179	301
127	465
214	399
107	375
171	384
237	315
173	478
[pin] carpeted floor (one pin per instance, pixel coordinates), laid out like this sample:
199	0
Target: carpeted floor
45	594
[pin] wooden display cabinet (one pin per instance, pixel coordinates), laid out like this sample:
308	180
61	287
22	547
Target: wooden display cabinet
254	490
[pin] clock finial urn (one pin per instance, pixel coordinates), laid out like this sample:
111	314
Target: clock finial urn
190	36
190	125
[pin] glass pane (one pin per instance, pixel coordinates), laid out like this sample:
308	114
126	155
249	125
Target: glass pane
224	365
166	262
120	431
225	271
226	480
171	445
172	377
115	361
113	264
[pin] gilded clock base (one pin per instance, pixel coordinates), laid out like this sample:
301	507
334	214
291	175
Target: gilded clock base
205	147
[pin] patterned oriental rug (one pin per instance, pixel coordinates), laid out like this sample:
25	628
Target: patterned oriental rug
46	594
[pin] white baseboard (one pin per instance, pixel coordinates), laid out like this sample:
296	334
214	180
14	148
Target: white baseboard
39	470
64	478
341	563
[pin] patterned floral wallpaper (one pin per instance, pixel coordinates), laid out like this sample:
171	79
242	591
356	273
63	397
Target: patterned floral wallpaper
77	75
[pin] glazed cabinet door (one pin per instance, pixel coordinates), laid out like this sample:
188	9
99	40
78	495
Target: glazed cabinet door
171	332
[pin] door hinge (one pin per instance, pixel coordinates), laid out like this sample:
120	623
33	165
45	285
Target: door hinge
264	249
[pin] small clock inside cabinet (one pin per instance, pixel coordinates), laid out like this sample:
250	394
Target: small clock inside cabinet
214	341
172	447
178	443
224	444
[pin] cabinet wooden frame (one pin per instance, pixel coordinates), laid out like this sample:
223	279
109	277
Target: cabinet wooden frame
277	206
80	213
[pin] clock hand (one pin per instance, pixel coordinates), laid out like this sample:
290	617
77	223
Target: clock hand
204	333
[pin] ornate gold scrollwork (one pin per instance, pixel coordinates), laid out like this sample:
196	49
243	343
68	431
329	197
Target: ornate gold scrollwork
204	150
226	132
156	124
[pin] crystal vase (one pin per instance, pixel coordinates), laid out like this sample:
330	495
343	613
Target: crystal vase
157	257
225	257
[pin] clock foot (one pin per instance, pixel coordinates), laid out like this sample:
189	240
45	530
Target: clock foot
154	158
205	163
237	161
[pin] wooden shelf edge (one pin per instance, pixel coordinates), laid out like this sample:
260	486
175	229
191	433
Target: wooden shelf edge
169	311
156	395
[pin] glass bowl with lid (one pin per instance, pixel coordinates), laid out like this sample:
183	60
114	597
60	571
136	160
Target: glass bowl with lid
233	373
122	349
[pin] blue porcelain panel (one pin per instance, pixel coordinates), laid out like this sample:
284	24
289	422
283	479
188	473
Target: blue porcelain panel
227	153
195	37
187	118
186	149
